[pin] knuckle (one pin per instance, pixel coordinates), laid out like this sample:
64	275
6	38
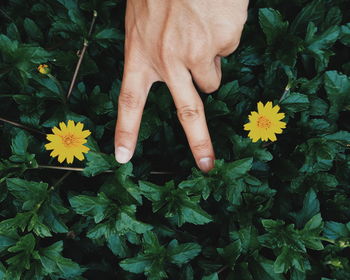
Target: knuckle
201	146
229	46
198	54
122	135
189	113
129	101
211	87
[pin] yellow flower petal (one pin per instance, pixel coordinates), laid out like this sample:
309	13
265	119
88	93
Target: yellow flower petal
265	123
260	107
56	131
79	156
79	127
85	133
53	137
68	142
70	158
61	158
268	106
70	126
63	126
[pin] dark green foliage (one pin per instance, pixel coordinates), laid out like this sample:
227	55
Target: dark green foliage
272	211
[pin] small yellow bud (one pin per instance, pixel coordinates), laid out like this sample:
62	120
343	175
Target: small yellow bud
44	69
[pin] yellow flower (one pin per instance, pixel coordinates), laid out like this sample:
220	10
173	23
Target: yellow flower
44	69
265	123
68	141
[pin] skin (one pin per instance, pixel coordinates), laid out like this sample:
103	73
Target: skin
179	42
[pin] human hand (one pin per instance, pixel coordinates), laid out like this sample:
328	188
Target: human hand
177	42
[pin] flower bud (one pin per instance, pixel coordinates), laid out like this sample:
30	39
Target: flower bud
44	69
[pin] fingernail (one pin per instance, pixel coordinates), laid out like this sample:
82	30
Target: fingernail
206	164
122	154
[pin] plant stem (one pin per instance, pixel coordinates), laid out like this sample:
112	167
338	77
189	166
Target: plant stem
78	169
327	240
6	15
62	168
286	90
267	144
61	179
81	56
22	126
222	269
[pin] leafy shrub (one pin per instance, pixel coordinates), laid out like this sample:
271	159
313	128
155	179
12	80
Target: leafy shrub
275	211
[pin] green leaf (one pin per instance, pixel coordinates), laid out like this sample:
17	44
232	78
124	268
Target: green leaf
117	245
2	271
191	212
32	30
137	264
311	233
311	206
53	262
233	170
20	221
198	185
295	102
333	17
231	252
345	34
30	193
228	91
7	46
180	254
287	259
127	222
215	108
248	237
20	143
152	191
38	227
109	34
272	24
262	269
337	87
234	191
13	32
50	88
319	45
334	230
96	207
312	12
24	248
98	163
5	242
213	276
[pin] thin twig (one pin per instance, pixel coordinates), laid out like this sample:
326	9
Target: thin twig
77	169
222	269
22	126
81	56
267	144
286	90
6	15
62	168
61	179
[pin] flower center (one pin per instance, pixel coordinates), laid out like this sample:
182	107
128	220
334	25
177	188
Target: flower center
69	140
264	122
